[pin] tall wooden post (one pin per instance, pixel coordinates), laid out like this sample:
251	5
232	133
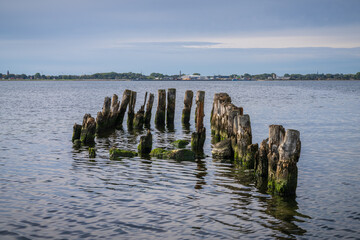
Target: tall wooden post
170	113
148	110
198	137
124	103
131	111
185	119
160	112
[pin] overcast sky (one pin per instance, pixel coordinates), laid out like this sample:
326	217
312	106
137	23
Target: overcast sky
206	36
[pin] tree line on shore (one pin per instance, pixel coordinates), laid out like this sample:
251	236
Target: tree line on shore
160	76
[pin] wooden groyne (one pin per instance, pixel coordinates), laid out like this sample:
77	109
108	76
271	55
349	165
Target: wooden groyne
274	163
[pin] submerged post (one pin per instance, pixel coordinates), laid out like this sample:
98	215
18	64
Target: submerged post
124	102
198	137
145	146
131	111
148	110
185	119
170	113
160	112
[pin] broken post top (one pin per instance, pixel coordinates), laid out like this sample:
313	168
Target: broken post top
276	136
290	147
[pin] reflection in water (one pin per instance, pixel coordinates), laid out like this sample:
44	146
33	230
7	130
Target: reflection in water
200	173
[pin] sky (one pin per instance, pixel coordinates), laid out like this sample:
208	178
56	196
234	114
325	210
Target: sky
206	36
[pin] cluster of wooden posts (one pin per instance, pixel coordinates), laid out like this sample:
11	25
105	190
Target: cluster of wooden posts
274	163
112	115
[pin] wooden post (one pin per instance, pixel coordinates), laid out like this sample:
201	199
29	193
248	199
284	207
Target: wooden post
170	113
160	112
185	119
261	166
131	111
76	132
124	103
145	146
139	116
148	110
198	137
276	136
106	119
287	172
88	129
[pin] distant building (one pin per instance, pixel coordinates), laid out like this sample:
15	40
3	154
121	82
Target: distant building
193	77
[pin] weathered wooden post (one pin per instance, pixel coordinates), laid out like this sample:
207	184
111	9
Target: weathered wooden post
88	129
145	146
106	119
160	112
131	111
170	113
286	171
148	110
185	119
276	136
198	137
261	166
139	116
124	103
241	141
76	132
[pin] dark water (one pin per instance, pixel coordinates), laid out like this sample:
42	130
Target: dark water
50	190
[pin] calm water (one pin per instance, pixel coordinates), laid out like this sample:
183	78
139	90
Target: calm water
50	190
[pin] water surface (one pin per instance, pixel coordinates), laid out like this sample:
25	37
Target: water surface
50	190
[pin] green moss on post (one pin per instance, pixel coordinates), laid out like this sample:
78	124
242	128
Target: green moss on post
159	153
92	152
181	155
116	154
180	143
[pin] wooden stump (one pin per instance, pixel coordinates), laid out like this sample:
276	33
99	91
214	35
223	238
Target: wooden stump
287	171
198	137
170	113
185	119
145	146
140	115
131	111
76	132
148	110
106	119
160	112
88	129
276	137
124	103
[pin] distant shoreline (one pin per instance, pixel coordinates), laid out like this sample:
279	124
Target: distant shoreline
146	80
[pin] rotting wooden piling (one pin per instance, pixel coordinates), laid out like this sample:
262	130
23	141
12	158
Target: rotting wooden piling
170	113
185	119
148	110
124	103
276	136
140	115
198	137
160	112
145	145
287	171
131	110
107	118
88	129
